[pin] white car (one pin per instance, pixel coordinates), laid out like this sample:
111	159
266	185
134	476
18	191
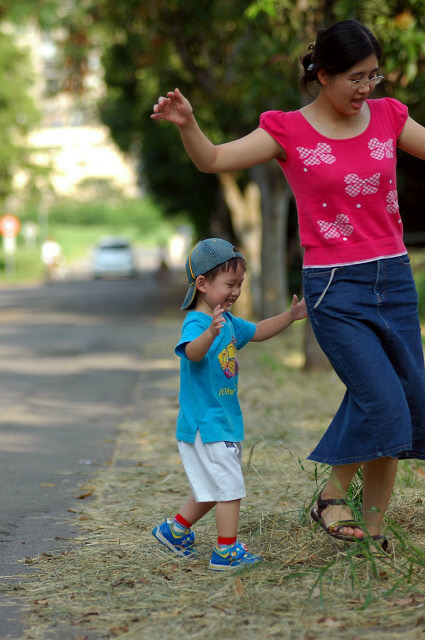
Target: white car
113	257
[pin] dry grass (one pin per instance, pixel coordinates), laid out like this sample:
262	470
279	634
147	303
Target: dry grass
118	580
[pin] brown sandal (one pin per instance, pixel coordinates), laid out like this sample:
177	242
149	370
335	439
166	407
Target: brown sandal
333	528
381	548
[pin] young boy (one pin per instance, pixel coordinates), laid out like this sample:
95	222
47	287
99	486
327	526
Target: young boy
209	424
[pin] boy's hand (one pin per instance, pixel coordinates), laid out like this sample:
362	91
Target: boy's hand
198	348
175	108
298	310
217	321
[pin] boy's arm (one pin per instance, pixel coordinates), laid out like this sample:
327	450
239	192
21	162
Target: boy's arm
270	327
198	348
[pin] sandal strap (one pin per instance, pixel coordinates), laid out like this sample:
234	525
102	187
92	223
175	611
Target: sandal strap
322	503
383	540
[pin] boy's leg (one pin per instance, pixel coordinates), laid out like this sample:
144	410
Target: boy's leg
193	511
227	518
229	553
176	534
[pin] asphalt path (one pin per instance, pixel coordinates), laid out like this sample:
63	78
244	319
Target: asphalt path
70	361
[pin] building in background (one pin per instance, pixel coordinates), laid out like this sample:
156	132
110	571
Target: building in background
70	139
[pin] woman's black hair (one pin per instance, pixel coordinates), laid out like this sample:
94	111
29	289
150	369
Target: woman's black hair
337	49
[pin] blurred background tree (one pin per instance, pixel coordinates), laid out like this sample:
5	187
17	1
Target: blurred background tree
18	112
233	61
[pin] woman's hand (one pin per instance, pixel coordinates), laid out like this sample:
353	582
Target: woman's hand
175	108
255	148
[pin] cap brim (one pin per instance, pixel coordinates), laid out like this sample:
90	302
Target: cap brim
190	295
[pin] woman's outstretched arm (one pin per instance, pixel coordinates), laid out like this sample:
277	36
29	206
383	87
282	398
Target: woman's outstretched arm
255	148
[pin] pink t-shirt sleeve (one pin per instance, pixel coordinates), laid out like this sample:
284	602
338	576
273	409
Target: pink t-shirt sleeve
398	114
274	123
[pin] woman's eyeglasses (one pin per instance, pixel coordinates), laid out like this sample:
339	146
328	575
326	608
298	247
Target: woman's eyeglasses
356	84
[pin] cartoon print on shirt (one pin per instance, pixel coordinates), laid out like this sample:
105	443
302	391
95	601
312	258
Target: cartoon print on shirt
381	150
228	360
356	185
392	202
322	153
341	227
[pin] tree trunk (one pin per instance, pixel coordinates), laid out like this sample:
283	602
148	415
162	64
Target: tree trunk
315	359
259	218
275	199
268	197
245	213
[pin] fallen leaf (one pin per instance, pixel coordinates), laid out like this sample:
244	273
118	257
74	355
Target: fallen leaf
239	587
403	602
120	629
86	494
47	484
82	618
330	621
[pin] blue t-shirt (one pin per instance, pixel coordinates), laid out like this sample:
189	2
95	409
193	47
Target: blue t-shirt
209	388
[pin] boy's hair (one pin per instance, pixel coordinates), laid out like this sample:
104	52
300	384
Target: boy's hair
204	259
229	265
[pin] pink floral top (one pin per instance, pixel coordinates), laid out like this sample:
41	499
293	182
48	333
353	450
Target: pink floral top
345	190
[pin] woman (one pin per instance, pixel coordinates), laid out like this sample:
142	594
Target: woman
339	156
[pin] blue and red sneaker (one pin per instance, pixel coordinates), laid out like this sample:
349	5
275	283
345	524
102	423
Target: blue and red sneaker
231	557
180	543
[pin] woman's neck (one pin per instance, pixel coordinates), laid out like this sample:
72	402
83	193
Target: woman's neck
329	122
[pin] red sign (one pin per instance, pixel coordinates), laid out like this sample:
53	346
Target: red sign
9	226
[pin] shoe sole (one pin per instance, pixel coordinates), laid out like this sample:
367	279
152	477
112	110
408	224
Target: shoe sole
227	567
219	567
163	540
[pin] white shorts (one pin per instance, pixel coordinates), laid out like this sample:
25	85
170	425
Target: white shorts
214	470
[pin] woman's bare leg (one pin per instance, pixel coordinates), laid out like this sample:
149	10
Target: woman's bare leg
337	487
378	483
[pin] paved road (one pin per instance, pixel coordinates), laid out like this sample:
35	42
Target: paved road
70	360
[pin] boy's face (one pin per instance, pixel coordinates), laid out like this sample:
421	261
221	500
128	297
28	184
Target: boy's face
224	290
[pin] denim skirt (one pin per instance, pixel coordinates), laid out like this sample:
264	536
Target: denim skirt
365	319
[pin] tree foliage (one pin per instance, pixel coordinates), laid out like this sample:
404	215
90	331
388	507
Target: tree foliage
207	50
233	60
400	27
17	111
